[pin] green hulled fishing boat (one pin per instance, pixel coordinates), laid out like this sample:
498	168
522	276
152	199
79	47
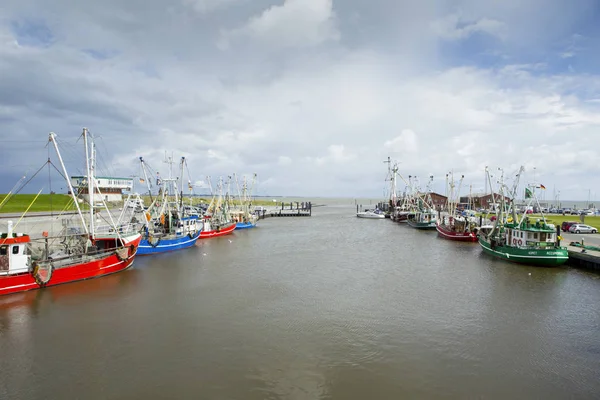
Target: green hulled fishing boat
424	215
425	219
527	243
523	240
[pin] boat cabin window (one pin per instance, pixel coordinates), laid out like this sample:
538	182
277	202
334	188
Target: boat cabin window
3	250
15	249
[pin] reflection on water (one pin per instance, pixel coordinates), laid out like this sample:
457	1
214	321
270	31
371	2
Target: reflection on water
324	307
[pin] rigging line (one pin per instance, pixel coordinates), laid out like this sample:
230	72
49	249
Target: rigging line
34	175
57	170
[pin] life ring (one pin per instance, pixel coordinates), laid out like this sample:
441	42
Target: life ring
38	273
122	253
514	241
520	242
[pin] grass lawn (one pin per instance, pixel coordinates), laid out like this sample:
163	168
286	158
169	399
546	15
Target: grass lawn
557	219
45	202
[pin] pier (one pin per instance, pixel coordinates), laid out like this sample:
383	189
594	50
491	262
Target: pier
292	209
580	257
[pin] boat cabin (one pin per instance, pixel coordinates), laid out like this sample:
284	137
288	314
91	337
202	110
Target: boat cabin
13	252
539	234
187	225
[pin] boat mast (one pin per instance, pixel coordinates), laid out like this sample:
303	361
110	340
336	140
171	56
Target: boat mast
90	179
394	188
181	185
52	138
457	199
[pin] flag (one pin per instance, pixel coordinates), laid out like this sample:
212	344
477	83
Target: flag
542	186
528	193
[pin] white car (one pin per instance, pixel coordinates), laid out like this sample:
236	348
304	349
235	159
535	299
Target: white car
581	228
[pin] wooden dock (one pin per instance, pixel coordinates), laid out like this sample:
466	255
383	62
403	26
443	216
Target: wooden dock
289	213
293	209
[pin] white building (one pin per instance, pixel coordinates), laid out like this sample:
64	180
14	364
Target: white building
110	188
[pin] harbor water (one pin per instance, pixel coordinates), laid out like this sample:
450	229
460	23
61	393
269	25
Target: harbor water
326	307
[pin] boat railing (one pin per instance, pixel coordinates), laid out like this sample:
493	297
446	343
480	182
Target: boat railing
121	229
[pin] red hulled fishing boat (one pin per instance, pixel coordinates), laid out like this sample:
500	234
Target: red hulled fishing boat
74	254
456	229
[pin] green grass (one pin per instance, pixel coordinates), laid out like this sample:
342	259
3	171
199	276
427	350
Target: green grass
557	219
45	202
59	202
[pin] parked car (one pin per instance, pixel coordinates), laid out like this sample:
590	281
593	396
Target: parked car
582	228
567	224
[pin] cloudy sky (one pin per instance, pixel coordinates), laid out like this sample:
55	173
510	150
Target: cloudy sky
312	95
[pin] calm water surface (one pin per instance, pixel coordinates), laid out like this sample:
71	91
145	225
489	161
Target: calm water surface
325	307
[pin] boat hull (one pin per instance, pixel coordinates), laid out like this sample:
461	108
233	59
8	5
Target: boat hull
370	216
217	232
446	233
422	225
401	218
167	244
77	272
539	257
245	225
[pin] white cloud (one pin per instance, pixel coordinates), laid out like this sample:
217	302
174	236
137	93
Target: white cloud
336	154
406	142
310	100
206	6
284	160
456	27
295	23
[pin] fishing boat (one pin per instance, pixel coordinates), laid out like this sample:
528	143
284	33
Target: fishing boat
211	229
454	225
522	239
424	216
243	218
75	254
457	228
217	219
166	227
371	214
425	219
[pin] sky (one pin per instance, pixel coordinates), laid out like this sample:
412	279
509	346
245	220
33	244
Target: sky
311	95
